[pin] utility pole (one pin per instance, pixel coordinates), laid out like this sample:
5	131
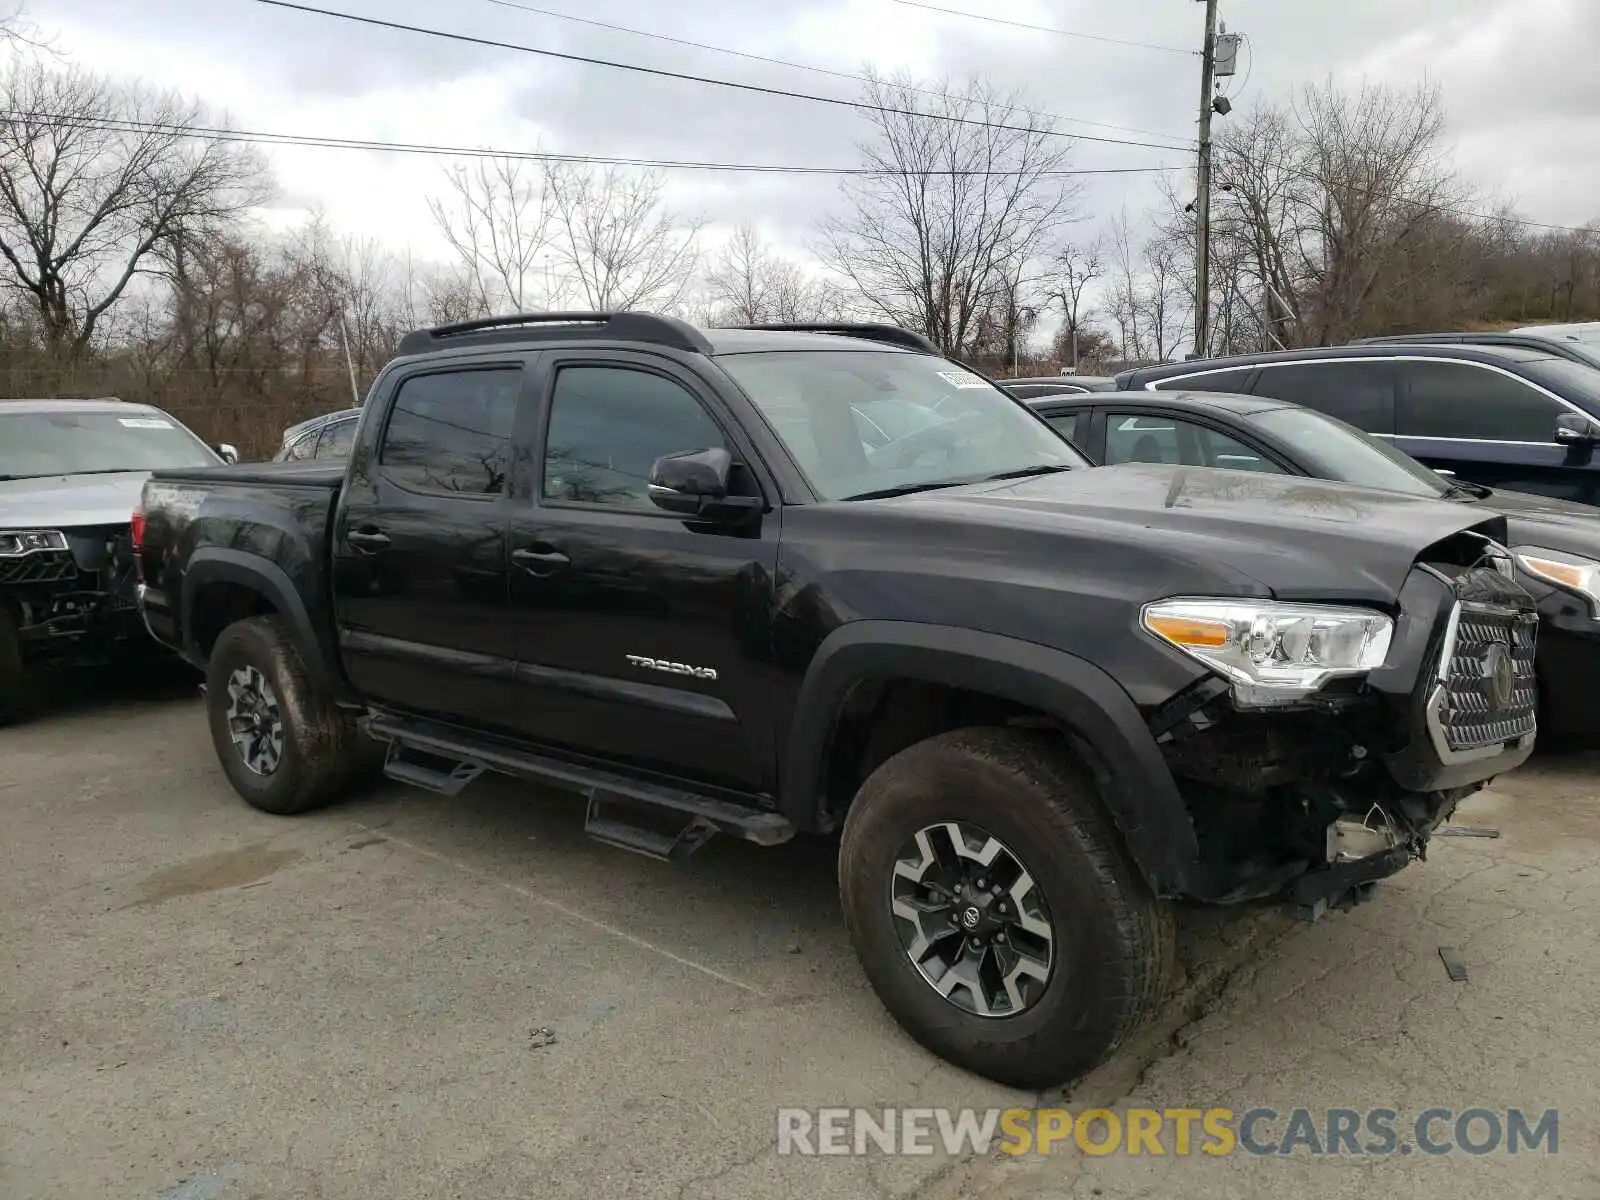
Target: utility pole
1202	202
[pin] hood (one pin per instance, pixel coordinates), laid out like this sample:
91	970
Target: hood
1547	522
65	501
1299	538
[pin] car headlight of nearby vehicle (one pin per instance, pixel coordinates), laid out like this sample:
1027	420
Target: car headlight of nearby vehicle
1273	653
14	543
1569	572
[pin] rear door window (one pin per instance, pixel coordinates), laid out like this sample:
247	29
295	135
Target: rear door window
1357	393
1465	400
450	431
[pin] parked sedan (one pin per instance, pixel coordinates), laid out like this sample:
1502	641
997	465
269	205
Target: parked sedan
1507	416
328	436
1557	544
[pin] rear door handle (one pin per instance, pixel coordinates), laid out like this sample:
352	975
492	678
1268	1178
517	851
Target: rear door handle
540	562
368	540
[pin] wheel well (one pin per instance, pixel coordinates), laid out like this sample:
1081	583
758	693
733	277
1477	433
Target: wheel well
218	605
882	717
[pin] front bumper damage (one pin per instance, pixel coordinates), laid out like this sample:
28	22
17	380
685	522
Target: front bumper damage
74	606
1313	804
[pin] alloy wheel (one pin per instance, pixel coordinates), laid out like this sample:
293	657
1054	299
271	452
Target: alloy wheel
255	721
972	919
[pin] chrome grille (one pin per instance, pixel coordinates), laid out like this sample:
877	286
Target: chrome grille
1486	675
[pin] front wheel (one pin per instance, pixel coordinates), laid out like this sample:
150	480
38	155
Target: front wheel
994	910
284	745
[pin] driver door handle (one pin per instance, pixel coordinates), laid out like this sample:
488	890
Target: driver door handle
540	562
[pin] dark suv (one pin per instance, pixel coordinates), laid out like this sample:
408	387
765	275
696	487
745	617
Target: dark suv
1506	416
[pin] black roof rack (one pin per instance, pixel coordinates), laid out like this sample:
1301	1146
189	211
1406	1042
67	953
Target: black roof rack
521	327
891	335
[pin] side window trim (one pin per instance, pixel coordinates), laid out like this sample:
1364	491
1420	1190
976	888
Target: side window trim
396	383
1403	386
1252	373
1404	394
553	366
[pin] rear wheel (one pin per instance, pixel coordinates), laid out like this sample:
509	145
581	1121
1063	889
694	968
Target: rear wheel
994	911
284	744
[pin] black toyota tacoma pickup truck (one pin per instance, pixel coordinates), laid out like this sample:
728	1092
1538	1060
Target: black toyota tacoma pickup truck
780	580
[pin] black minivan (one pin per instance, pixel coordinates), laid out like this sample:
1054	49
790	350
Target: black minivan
1506	416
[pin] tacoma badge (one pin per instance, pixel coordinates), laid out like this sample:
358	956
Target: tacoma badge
671	668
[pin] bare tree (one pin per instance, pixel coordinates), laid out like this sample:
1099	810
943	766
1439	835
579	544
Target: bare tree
1072	270
1125	301
952	210
617	244
1337	216
496	216
100	179
749	284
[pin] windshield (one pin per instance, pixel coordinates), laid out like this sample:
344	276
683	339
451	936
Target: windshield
861	423
1331	449
34	444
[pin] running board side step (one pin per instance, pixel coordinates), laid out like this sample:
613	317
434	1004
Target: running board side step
617	803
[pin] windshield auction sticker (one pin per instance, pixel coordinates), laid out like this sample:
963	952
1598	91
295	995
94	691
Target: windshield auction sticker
961	379
143	423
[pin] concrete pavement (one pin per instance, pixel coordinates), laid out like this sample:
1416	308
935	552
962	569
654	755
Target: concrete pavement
201	1001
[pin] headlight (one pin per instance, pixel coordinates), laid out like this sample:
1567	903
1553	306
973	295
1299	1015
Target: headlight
1567	571
1273	653
16	543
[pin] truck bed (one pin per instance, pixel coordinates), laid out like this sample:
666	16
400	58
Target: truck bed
302	474
206	525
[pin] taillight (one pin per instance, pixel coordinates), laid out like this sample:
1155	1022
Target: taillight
136	528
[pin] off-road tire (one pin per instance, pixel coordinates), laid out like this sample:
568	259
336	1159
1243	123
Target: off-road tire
323	751
14	690
1114	938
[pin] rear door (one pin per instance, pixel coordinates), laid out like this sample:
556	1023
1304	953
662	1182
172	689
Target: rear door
420	567
643	637
1489	426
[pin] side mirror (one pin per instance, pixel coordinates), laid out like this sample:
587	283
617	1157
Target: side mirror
696	485
229	452
1575	430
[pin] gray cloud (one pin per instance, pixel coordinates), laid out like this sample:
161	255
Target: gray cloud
1525	104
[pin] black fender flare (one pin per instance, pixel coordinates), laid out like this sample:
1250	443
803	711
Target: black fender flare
216	564
1135	784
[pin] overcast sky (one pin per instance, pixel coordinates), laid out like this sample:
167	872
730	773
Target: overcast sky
1519	80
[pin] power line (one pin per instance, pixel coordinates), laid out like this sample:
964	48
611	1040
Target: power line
797	66
661	73
1071	33
320	141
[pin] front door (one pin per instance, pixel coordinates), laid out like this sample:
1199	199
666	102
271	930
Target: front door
420	567
643	637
